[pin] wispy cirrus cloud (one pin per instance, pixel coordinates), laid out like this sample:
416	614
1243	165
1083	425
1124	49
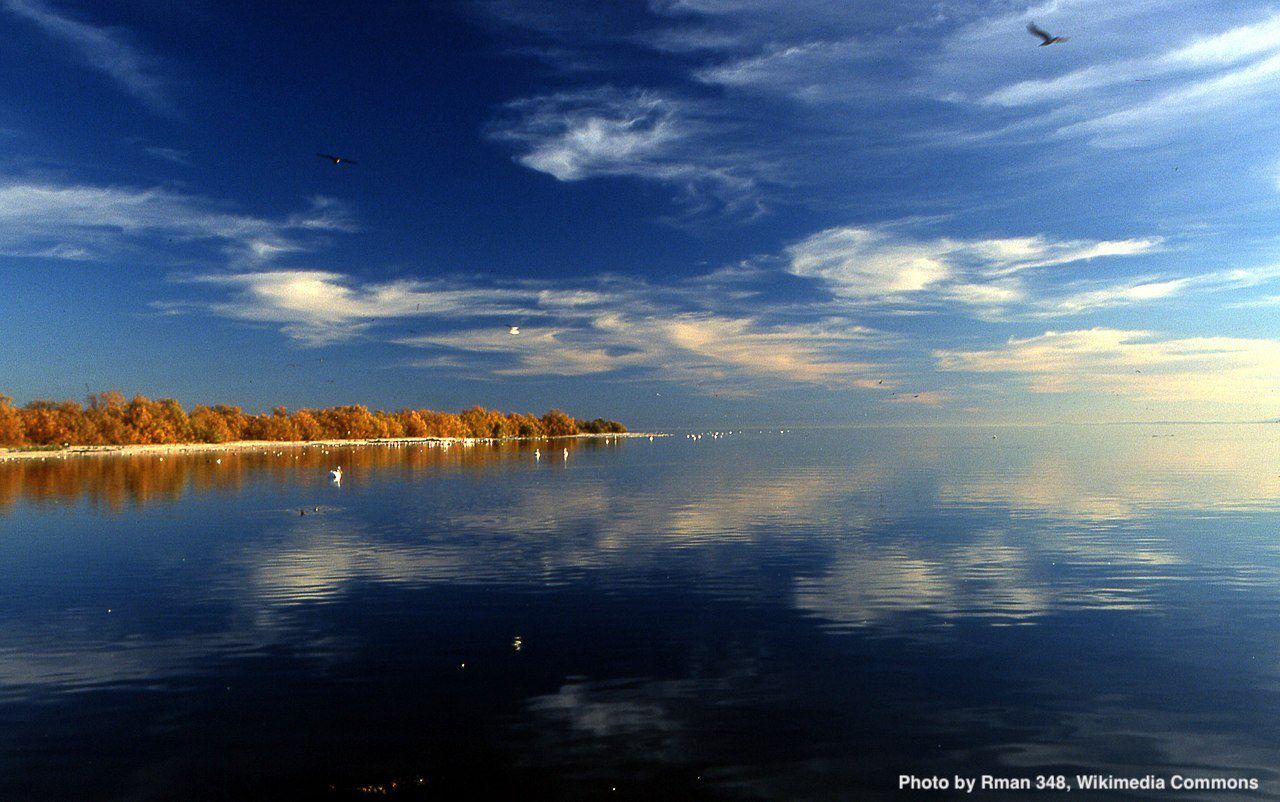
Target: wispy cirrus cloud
319	307
641	134
996	278
1116	295
813	71
173	155
550	350
103	49
1141	122
1097	295
688	347
1124	91
1223	49
576	135
1135	364
605	325
76	221
875	264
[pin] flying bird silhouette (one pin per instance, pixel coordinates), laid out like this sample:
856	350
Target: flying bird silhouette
336	159
1047	37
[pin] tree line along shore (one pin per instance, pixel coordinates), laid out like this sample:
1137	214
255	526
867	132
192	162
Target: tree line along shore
109	419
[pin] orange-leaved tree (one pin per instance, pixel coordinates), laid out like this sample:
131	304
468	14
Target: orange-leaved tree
558	424
108	419
12	431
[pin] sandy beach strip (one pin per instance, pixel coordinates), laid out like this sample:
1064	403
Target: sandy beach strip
267	445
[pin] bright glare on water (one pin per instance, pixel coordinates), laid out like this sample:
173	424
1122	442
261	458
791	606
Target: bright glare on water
785	616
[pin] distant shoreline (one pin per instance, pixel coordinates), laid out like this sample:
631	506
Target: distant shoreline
7	454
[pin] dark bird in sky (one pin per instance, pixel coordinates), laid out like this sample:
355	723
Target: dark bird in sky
335	159
1047	37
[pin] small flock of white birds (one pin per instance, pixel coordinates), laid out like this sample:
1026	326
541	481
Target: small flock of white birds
719	435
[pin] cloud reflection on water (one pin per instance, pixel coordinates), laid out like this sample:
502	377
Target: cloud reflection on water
938	529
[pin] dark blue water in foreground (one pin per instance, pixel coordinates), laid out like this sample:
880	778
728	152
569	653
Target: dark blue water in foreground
763	616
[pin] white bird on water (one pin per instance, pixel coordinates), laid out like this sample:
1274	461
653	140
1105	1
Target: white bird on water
336	475
537	454
566	453
513	330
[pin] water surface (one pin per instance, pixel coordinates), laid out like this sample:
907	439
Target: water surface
760	616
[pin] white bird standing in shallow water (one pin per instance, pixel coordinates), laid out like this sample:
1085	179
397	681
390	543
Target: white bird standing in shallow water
566	453
537	454
336	475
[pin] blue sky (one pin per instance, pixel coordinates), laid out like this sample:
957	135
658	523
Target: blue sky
696	211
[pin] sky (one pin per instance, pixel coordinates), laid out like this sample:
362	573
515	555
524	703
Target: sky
697	212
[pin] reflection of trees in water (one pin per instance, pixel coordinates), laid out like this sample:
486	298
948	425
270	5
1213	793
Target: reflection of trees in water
115	481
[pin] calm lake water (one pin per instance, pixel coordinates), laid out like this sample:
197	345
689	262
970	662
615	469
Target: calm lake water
762	616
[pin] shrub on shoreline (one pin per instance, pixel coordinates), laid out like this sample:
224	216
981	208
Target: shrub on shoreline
108	419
